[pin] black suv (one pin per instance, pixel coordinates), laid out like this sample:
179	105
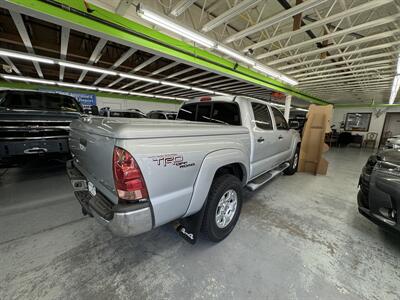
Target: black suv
35	123
379	194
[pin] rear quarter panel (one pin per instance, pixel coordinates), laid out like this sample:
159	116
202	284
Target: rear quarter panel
171	166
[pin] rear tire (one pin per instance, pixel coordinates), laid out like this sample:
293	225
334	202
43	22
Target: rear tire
294	163
224	203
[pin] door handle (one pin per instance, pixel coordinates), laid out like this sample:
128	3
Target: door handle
280	137
260	140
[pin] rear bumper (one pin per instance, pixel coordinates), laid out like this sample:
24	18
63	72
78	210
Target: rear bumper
9	148
122	220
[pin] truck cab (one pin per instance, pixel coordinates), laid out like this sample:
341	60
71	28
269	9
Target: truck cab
272	141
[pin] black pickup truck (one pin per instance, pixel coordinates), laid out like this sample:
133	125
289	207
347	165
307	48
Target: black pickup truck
379	194
35	123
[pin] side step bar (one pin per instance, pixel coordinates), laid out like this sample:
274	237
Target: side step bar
264	178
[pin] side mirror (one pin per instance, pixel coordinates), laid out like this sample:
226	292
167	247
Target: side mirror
95	110
293	124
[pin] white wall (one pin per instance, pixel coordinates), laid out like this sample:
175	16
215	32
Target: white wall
144	106
376	125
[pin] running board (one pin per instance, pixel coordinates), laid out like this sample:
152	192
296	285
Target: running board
264	178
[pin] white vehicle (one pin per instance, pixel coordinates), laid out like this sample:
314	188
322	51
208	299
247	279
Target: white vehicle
137	174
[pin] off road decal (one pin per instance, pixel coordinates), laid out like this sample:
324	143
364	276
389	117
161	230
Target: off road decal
171	160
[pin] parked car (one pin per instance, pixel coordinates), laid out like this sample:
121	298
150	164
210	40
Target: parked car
393	142
379	194
35	123
122	113
162	114
135	175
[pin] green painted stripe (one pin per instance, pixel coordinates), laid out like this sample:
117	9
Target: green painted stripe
152	39
20	85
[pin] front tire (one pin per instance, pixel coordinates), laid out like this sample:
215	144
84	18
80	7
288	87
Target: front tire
294	163
224	204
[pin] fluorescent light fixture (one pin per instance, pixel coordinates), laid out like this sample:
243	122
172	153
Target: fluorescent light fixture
28	79
170	25
135	77
229	14
221	94
396	83
77	86
87	68
182	86
141	94
271	72
112	91
26	57
181	6
236	55
182	99
301	109
203	90
165	97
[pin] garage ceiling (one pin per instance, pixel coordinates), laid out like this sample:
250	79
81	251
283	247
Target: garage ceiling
340	50
343	52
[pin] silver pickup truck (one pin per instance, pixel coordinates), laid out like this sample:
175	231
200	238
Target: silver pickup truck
137	174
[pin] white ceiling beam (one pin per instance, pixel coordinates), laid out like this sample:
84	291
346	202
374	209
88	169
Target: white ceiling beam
344	54
355	10
341	62
229	14
117	63
344	81
274	20
94	57
165	68
194	76
123	6
358	28
11	64
366	39
218	81
206	79
63	48
382	63
137	68
19	23
181	6
371	71
181	72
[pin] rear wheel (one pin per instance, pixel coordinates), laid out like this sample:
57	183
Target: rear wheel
223	208
294	163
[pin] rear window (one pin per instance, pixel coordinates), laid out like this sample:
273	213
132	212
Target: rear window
171	116
40	101
213	112
126	114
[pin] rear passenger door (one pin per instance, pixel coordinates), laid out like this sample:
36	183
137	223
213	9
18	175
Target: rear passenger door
284	137
265	146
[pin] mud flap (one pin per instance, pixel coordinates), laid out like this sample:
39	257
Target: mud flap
189	227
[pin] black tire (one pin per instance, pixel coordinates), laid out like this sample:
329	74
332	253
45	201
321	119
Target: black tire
219	187
294	163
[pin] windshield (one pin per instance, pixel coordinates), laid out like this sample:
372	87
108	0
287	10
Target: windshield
40	101
126	114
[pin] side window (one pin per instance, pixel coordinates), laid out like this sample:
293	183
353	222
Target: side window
262	116
187	112
227	113
280	121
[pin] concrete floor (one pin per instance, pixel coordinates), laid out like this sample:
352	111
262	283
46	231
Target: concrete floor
299	237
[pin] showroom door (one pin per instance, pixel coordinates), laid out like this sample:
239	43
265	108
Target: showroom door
265	150
283	135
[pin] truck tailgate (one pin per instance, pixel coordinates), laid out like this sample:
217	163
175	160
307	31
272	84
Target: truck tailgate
93	155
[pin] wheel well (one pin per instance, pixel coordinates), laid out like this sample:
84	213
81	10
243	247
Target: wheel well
235	169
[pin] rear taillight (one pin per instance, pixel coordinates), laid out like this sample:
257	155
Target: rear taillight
128	178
